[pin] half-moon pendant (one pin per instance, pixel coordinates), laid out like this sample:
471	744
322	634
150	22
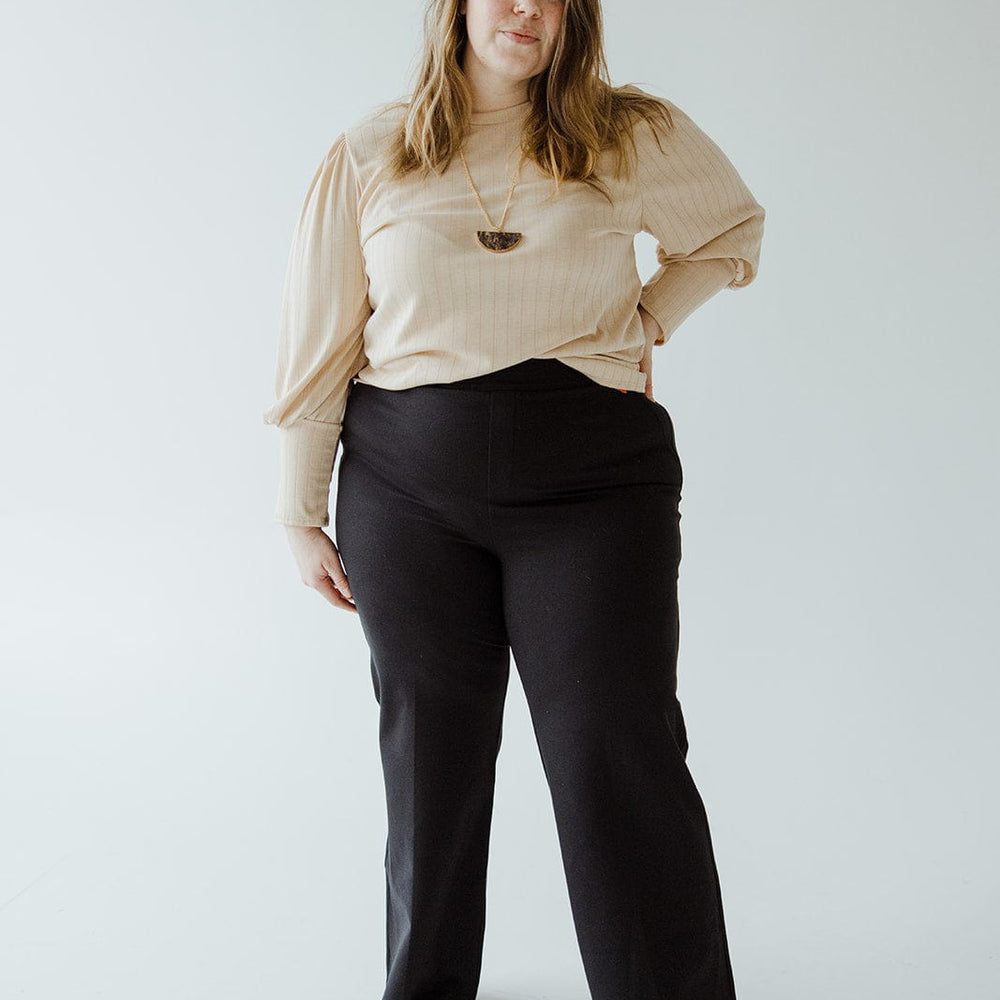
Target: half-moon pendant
497	241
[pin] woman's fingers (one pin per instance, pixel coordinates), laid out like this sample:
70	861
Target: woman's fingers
336	577
646	367
332	582
325	586
320	566
335	571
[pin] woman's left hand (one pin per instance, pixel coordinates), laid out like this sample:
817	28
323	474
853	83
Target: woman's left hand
652	330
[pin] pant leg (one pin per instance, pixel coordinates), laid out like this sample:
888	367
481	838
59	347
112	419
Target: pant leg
409	509
587	524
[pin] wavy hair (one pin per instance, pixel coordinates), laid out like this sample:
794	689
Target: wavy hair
575	114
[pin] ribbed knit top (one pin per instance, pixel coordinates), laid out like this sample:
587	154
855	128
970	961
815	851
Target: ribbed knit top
388	283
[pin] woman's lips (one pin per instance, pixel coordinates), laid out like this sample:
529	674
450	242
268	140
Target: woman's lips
520	39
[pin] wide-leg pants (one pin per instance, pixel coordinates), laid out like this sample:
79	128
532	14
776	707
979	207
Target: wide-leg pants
530	511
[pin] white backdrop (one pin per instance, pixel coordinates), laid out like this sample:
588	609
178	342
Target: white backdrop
190	787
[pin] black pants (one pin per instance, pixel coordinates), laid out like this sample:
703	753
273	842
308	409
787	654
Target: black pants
534	511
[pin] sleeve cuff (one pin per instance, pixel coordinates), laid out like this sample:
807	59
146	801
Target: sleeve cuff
682	287
741	273
307	452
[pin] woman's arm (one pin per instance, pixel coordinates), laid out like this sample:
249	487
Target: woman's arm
324	311
706	221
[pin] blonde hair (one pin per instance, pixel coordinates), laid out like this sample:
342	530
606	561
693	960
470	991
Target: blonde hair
575	112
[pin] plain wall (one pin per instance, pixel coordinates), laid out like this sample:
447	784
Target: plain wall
191	804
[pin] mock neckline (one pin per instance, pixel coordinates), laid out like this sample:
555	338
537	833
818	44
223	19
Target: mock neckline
513	113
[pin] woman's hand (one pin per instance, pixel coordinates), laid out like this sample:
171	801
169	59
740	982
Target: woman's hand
319	564
652	330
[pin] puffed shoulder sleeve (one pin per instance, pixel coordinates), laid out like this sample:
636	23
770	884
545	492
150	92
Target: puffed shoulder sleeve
324	310
708	226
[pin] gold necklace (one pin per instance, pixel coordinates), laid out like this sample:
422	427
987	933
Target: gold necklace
495	240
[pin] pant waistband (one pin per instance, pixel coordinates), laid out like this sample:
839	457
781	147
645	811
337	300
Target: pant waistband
534	373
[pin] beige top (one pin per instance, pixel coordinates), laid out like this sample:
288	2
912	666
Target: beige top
388	282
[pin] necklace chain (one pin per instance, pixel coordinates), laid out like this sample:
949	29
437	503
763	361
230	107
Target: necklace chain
479	200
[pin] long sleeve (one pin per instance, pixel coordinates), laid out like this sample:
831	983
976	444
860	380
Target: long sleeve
707	224
321	339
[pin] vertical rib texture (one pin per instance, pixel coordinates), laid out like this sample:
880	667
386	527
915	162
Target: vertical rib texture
388	283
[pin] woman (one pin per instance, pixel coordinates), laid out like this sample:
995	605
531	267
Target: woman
462	313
